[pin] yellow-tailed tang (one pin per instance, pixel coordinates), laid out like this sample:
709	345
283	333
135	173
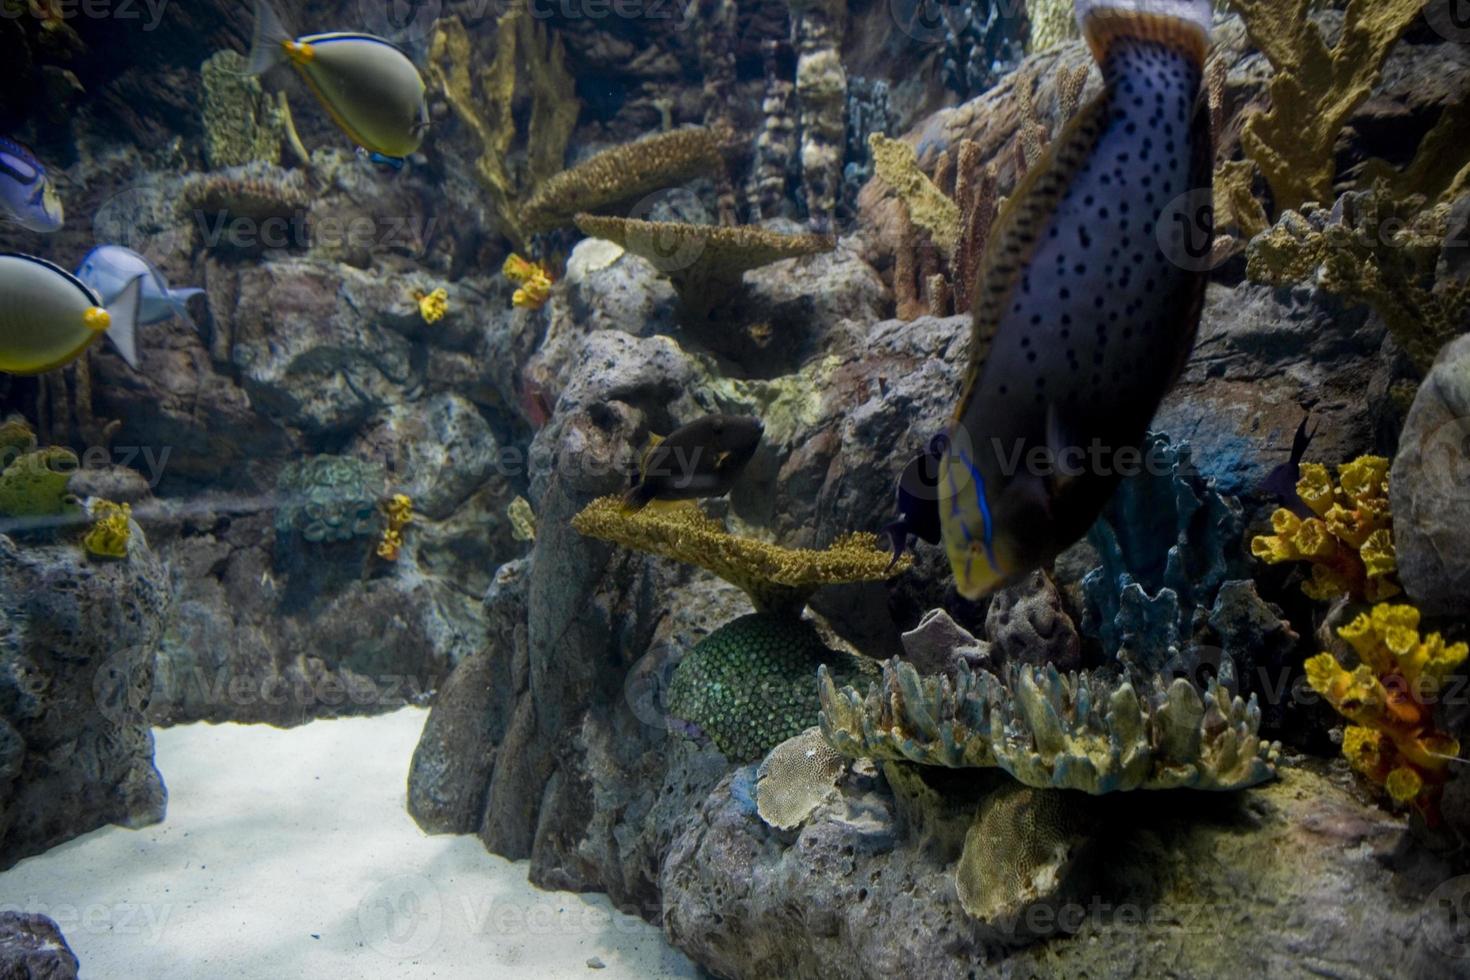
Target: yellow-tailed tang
49	317
367	85
1085	309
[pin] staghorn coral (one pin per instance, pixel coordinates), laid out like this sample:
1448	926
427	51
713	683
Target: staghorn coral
775	578
1389	697
928	207
705	263
398	514
622	174
795	778
1349	541
1315	88
1083	731
751	684
432	305
111	531
1373	249
34	484
529	66
1018	853
329	498
1053	22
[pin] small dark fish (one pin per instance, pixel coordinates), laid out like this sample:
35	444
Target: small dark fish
1281	482
701	459
916	500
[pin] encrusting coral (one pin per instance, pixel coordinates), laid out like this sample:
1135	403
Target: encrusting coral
1373	249
775	578
329	498
705	263
1348	541
1082	731
528	68
1389	697
1315	87
111	530
795	778
751	684
34	483
622	174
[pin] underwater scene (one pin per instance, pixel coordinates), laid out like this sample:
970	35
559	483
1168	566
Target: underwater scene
734	488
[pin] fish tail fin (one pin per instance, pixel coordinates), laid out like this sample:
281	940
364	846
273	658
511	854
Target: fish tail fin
1180	24
123	328
265	44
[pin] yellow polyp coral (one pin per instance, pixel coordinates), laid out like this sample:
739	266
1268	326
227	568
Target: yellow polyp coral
1348	541
432	305
535	279
111	530
1389	697
399	511
897	163
775	578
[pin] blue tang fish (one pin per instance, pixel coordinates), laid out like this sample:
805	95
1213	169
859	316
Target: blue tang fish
1086	307
27	195
367	85
109	268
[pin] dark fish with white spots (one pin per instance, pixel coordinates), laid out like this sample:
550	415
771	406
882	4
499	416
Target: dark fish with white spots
1085	308
701	459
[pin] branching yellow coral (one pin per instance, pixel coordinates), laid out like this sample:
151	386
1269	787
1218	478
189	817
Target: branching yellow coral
534	277
111	530
775	578
898	165
1349	541
432	305
1389	699
399	512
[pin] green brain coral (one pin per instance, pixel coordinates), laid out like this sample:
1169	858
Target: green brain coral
752	684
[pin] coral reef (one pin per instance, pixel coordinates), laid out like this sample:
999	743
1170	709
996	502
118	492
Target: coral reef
1429	489
795	778
522	519
533	281
1370	248
1053	22
397	514
821	101
35	483
776	147
111	531
706	263
622	174
433	305
775	578
1349	540
329	498
1315	88
752	684
247	199
868	113
1027	623
1082	731
242	124
977	45
1168	541
1389	697
896	163
528	66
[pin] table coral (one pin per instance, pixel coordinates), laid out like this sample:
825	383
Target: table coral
1348	541
111	531
1389	697
752	684
795	778
774	577
1085	731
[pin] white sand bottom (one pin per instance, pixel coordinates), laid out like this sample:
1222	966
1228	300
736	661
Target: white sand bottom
288	853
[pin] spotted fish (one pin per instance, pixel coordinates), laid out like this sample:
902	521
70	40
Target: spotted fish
1087	303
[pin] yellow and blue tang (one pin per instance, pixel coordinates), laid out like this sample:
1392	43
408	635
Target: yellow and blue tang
1085	310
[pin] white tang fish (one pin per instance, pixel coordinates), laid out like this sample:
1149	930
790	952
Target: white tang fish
26	193
108	269
49	317
367	85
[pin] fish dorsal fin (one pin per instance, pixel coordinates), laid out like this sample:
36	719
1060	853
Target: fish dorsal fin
654	441
1020	225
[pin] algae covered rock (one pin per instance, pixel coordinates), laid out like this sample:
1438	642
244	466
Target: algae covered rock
752	684
32	948
329	498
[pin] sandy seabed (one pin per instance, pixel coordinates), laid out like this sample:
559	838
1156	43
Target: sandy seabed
289	853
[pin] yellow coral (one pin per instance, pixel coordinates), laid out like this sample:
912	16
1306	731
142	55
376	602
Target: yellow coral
898	165
534	277
432	306
1390	697
522	519
398	509
775	578
111	530
1349	543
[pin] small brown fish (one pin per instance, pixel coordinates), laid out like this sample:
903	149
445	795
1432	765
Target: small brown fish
701	459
